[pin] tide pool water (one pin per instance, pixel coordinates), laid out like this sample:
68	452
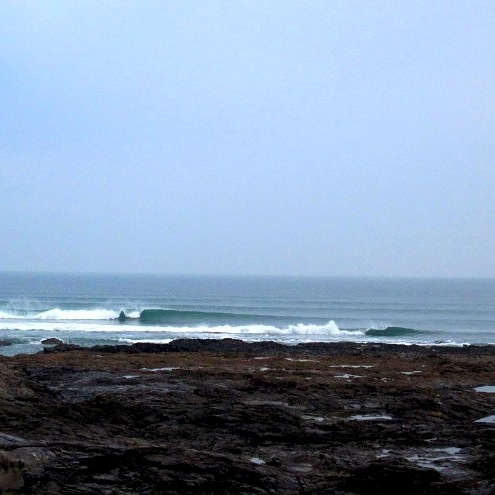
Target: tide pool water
115	309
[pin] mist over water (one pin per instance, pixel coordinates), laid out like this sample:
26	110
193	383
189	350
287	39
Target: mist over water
85	309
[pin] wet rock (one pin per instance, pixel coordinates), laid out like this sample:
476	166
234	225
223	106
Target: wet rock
11	477
228	417
51	341
62	347
391	477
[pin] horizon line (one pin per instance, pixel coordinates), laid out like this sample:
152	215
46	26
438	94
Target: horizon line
241	275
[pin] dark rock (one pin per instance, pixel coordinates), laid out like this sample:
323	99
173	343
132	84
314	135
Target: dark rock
62	348
51	341
225	416
389	478
11	477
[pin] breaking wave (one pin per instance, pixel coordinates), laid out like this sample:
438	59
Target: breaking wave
173	316
61	314
181	322
166	317
329	330
393	332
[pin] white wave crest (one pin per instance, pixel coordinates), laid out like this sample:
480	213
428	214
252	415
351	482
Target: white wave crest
7	316
330	328
66	321
144	341
77	314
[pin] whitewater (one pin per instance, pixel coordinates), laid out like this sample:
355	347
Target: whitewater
110	309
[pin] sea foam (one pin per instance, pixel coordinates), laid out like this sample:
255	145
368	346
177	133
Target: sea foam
77	314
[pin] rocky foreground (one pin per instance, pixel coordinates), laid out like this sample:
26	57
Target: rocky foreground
225	417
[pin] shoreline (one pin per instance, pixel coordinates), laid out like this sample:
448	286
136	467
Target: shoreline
54	344
243	346
227	416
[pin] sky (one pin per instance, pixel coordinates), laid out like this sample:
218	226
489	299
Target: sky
280	137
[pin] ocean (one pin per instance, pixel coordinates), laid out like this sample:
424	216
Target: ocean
84	309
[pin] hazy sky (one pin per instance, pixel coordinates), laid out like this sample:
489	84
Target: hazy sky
248	137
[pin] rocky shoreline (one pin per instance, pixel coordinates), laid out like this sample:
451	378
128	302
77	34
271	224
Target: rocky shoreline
225	416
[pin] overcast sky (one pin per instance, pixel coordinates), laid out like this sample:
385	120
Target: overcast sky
248	137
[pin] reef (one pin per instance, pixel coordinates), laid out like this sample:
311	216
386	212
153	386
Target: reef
224	416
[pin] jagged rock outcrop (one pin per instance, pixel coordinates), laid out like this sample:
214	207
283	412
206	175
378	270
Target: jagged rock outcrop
227	417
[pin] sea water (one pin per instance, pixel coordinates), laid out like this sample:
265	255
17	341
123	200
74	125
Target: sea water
84	309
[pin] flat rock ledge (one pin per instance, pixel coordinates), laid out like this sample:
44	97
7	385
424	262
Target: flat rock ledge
225	416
